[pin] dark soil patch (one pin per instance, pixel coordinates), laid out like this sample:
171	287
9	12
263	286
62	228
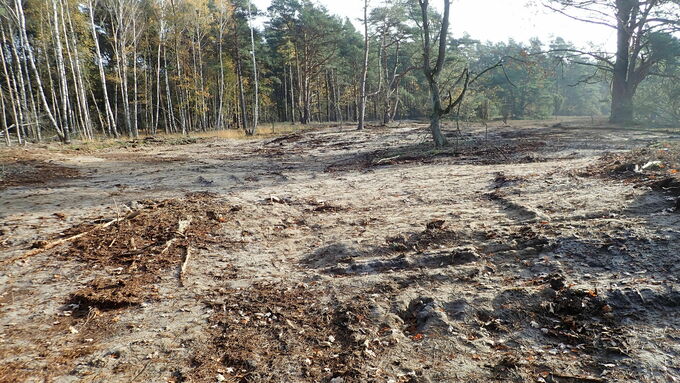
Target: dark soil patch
272	333
580	318
138	250
434	235
109	294
473	152
285	139
33	172
310	205
135	156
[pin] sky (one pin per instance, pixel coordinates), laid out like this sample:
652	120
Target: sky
494	20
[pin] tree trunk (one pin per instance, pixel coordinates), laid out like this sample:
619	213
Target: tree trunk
81	86
241	94
24	39
3	116
622	92
20	87
435	128
11	88
220	104
158	88
364	71
292	95
432	74
285	94
62	76
111	119
170	119
80	83
256	107
135	111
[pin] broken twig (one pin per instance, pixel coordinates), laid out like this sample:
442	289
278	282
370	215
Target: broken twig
578	377
183	268
182	226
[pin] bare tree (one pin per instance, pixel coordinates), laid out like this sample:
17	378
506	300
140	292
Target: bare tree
3	116
18	17
364	70
256	107
432	72
110	119
65	103
124	33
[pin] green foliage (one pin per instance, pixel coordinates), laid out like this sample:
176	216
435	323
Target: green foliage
309	61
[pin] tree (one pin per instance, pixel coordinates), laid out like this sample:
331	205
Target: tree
364	70
314	39
256	107
432	72
395	55
639	26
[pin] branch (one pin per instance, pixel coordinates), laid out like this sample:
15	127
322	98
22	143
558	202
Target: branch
459	99
480	74
596	55
585	20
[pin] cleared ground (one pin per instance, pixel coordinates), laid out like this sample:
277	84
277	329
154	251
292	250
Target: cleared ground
336	255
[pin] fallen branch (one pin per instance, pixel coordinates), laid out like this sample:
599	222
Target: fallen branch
578	377
61	241
182	226
385	160
183	268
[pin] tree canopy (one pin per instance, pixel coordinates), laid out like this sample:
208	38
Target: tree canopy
75	68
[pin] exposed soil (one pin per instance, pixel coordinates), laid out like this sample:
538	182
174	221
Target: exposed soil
142	245
545	253
20	172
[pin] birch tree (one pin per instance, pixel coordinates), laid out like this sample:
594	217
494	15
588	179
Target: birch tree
364	70
256	106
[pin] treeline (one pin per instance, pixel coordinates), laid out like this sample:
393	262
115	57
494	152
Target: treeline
83	68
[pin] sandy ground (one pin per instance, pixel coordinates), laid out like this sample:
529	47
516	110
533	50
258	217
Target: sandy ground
337	255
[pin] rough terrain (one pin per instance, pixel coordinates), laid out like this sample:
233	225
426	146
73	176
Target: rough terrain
547	253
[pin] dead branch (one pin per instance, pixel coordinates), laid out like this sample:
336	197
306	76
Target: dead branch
182	226
183	268
583	378
385	160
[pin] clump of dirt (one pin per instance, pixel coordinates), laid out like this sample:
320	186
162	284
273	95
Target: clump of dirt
109	294
320	206
288	138
648	165
660	159
657	167
502	180
312	205
268	332
435	234
581	318
33	172
138	249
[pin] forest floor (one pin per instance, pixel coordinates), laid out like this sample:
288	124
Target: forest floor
547	253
